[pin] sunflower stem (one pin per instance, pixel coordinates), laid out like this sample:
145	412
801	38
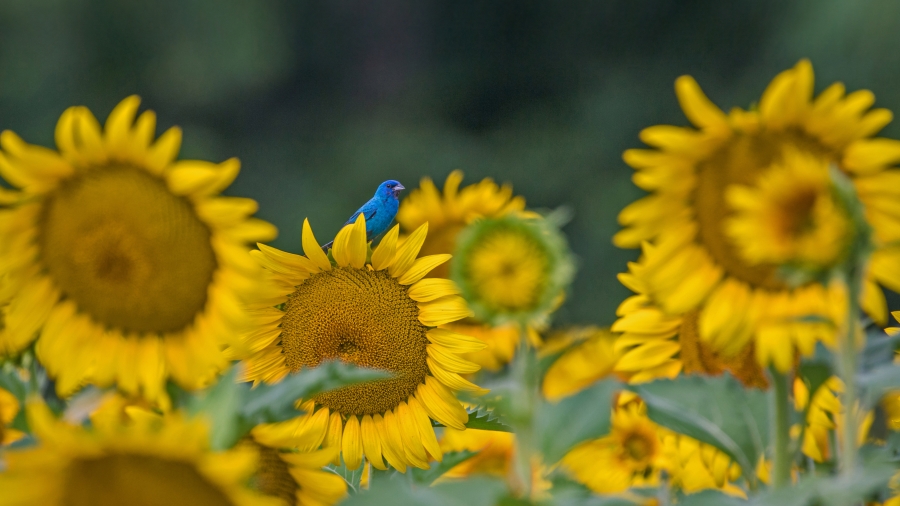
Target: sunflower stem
781	428
847	365
525	370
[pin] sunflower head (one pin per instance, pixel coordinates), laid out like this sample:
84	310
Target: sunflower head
164	461
790	215
374	309
512	269
126	263
448	212
737	194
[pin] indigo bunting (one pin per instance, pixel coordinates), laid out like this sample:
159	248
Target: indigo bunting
379	211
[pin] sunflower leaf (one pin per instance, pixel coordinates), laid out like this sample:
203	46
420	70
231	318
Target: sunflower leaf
390	492
718	411
437	469
710	498
586	415
877	382
275	403
485	419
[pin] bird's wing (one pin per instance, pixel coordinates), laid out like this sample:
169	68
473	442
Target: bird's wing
369	210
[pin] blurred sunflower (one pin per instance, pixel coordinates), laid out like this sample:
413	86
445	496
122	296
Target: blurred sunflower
589	356
447	214
125	262
696	466
295	477
152	460
694	262
512	269
9	409
495	454
374	311
654	344
824	417
630	456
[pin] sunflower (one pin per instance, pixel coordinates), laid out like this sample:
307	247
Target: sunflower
9	409
447	214
825	415
375	311
296	477
495	456
790	216
630	456
512	269
696	466
694	262
151	460
590	356
125	262
654	344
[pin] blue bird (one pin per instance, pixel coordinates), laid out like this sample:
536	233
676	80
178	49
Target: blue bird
379	211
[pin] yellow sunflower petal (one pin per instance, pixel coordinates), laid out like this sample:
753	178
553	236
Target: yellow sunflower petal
407	253
384	253
421	267
312	250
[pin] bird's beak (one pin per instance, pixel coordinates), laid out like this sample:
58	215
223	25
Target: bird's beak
399	187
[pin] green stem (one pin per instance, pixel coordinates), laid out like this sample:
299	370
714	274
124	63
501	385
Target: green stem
525	371
847	364
781	428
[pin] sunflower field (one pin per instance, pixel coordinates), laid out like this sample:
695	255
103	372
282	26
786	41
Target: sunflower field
159	348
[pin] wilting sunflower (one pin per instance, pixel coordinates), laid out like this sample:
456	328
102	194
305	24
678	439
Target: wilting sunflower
512	269
151	460
374	311
654	344
694	262
127	263
447	214
296	477
9	409
590	356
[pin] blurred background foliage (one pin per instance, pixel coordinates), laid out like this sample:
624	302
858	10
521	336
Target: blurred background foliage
323	100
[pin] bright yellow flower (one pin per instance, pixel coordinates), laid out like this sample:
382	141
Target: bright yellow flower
630	456
495	456
374	311
826	415
152	460
696	466
512	269
655	345
691	261
126	263
295	477
790	216
449	212
9	409
591	358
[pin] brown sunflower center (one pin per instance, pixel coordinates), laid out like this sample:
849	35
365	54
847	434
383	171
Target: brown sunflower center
698	358
363	317
740	161
273	476
114	480
637	447
795	213
126	250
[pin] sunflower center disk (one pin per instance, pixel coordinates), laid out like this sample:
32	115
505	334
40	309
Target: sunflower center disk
127	251
273	476
115	480
362	317
741	161
508	270
699	358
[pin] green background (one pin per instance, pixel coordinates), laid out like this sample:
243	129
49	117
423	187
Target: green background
324	100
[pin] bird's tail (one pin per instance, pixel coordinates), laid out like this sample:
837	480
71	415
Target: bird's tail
327	246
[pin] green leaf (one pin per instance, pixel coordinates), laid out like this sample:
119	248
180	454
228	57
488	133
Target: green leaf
570	493
485	419
395	491
718	411
268	403
831	491
450	460
235	408
879	349
578	418
711	498
352	477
